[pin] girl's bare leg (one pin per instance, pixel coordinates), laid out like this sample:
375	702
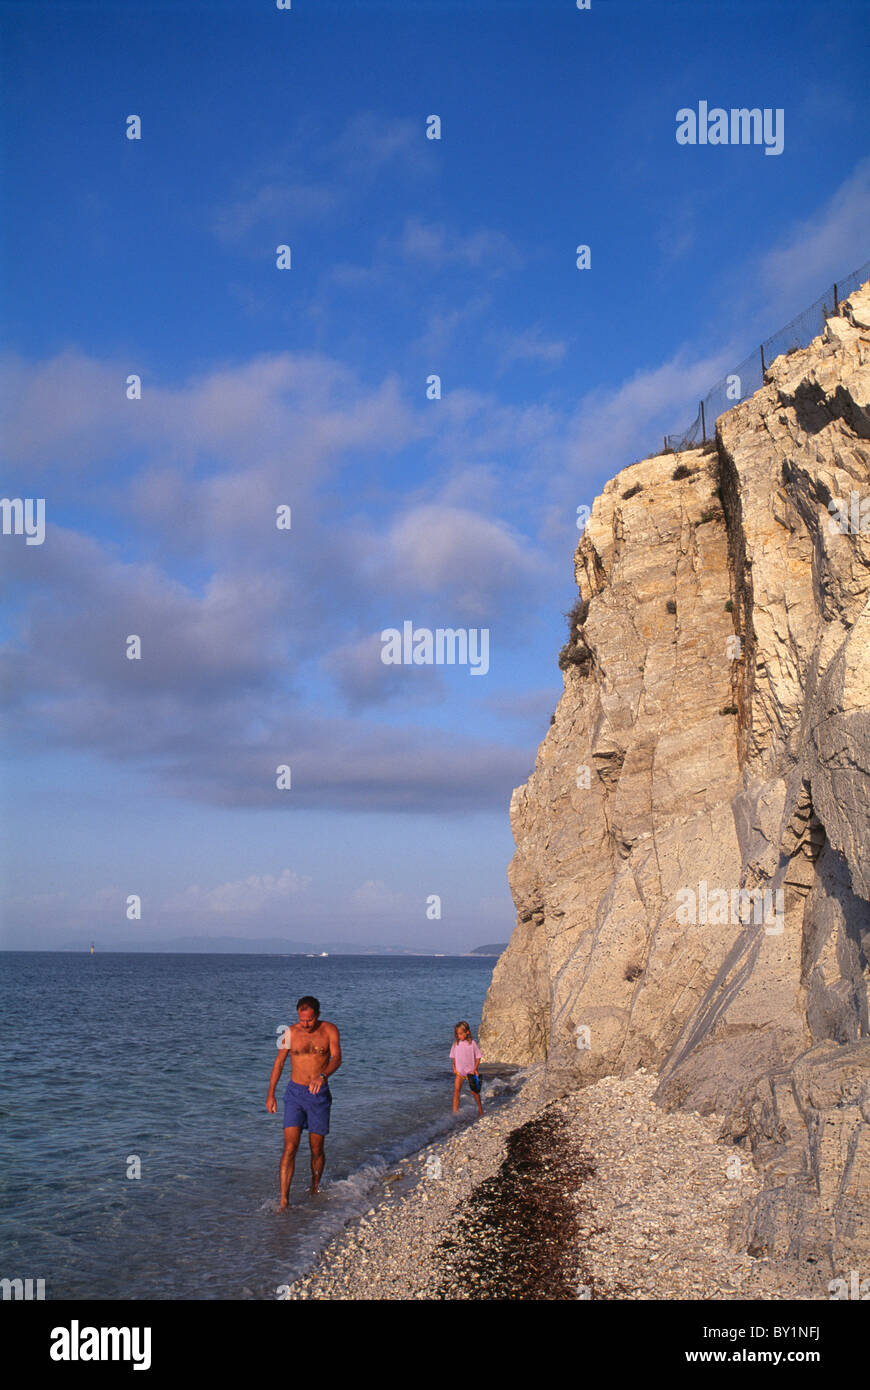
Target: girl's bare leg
457	1087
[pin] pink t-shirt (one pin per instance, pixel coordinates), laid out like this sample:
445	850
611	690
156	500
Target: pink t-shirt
466	1055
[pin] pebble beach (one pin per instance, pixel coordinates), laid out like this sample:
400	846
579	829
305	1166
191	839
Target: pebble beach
599	1194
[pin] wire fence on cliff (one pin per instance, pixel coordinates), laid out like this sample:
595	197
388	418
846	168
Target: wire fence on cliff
748	376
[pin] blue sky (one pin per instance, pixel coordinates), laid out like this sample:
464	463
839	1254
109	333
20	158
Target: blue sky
307	387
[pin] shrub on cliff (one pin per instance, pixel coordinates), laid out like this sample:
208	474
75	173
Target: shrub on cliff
575	652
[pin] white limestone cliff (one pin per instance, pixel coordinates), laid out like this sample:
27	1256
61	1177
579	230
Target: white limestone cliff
735	764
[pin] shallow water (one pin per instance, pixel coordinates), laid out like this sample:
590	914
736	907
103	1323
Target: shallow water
166	1059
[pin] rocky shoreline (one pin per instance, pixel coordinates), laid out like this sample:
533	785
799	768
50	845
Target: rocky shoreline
598	1194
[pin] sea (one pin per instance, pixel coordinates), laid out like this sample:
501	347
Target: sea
137	1157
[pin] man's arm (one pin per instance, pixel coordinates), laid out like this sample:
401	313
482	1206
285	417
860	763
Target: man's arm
333	1061
277	1066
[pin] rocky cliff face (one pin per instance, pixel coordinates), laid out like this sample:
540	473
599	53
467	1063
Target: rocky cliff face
714	736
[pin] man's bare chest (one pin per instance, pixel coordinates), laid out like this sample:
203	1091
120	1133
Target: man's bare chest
309	1044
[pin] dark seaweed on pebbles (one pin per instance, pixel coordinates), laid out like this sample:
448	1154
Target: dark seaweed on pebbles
514	1237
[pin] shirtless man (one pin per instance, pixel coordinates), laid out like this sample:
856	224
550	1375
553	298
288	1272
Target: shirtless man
315	1053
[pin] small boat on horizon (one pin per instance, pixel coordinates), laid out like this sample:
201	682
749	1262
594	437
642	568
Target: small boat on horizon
91	952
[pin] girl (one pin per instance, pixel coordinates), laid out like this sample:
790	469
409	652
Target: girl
465	1056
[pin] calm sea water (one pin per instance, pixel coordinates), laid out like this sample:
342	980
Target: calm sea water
167	1058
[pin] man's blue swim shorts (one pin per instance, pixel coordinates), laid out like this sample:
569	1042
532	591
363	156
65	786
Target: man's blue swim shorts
308	1111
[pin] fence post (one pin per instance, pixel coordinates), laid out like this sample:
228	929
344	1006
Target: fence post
836	301
703	424
665	437
763	368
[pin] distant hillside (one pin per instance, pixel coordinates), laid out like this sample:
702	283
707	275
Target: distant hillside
489	950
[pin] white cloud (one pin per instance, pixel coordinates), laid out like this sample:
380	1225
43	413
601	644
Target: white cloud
281	207
240	897
365	680
531	346
440	246
286	412
467	561
316	176
831	242
374	899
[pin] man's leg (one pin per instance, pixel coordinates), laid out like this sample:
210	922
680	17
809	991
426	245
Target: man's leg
318	1159
288	1161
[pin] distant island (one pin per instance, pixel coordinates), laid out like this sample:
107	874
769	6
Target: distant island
241	945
